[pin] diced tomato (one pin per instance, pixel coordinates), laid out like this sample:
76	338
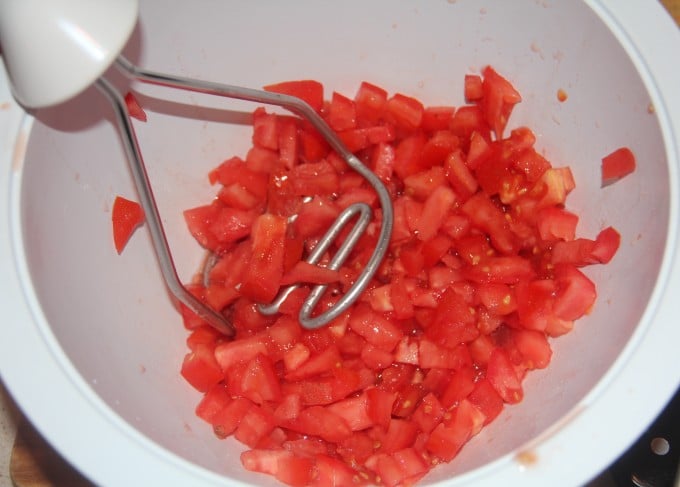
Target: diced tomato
533	346
405	111
126	216
370	103
308	90
341	113
460	385
374	327
438	147
294	470
265	129
461	178
498	99
259	382
502	376
265	269
331	472
467	120
421	184
607	243
215	399
617	165
254	426
322	422
432	355
429	413
434	212
230	225
437	118
380	403
486	399
556	224
445	441
304	272
575	293
407	155
201	369
454	322
134	109
483	269
488	217
473	87
277	462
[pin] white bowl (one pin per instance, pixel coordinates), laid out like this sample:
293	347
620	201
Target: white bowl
90	346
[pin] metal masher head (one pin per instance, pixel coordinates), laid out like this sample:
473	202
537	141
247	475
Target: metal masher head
360	212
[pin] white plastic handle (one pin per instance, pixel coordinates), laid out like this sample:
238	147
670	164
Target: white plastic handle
55	49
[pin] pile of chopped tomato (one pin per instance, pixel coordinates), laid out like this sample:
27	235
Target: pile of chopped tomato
484	266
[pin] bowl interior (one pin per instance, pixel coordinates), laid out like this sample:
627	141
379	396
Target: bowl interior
111	313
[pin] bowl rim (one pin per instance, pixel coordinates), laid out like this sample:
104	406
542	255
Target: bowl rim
649	36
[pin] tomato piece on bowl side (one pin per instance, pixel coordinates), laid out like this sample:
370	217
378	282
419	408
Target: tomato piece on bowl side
126	216
617	165
134	109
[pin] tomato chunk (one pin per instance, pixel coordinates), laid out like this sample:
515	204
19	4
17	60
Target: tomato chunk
617	165
126	216
134	109
310	91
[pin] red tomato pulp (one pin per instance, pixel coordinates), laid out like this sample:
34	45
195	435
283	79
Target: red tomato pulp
484	267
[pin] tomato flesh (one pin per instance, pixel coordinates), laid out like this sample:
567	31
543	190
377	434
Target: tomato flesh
483	267
617	165
126	216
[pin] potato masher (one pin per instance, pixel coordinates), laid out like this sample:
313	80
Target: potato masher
88	38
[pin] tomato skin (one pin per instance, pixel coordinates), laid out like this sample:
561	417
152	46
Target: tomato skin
126	216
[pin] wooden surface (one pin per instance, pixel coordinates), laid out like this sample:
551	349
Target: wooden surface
673	6
35	464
